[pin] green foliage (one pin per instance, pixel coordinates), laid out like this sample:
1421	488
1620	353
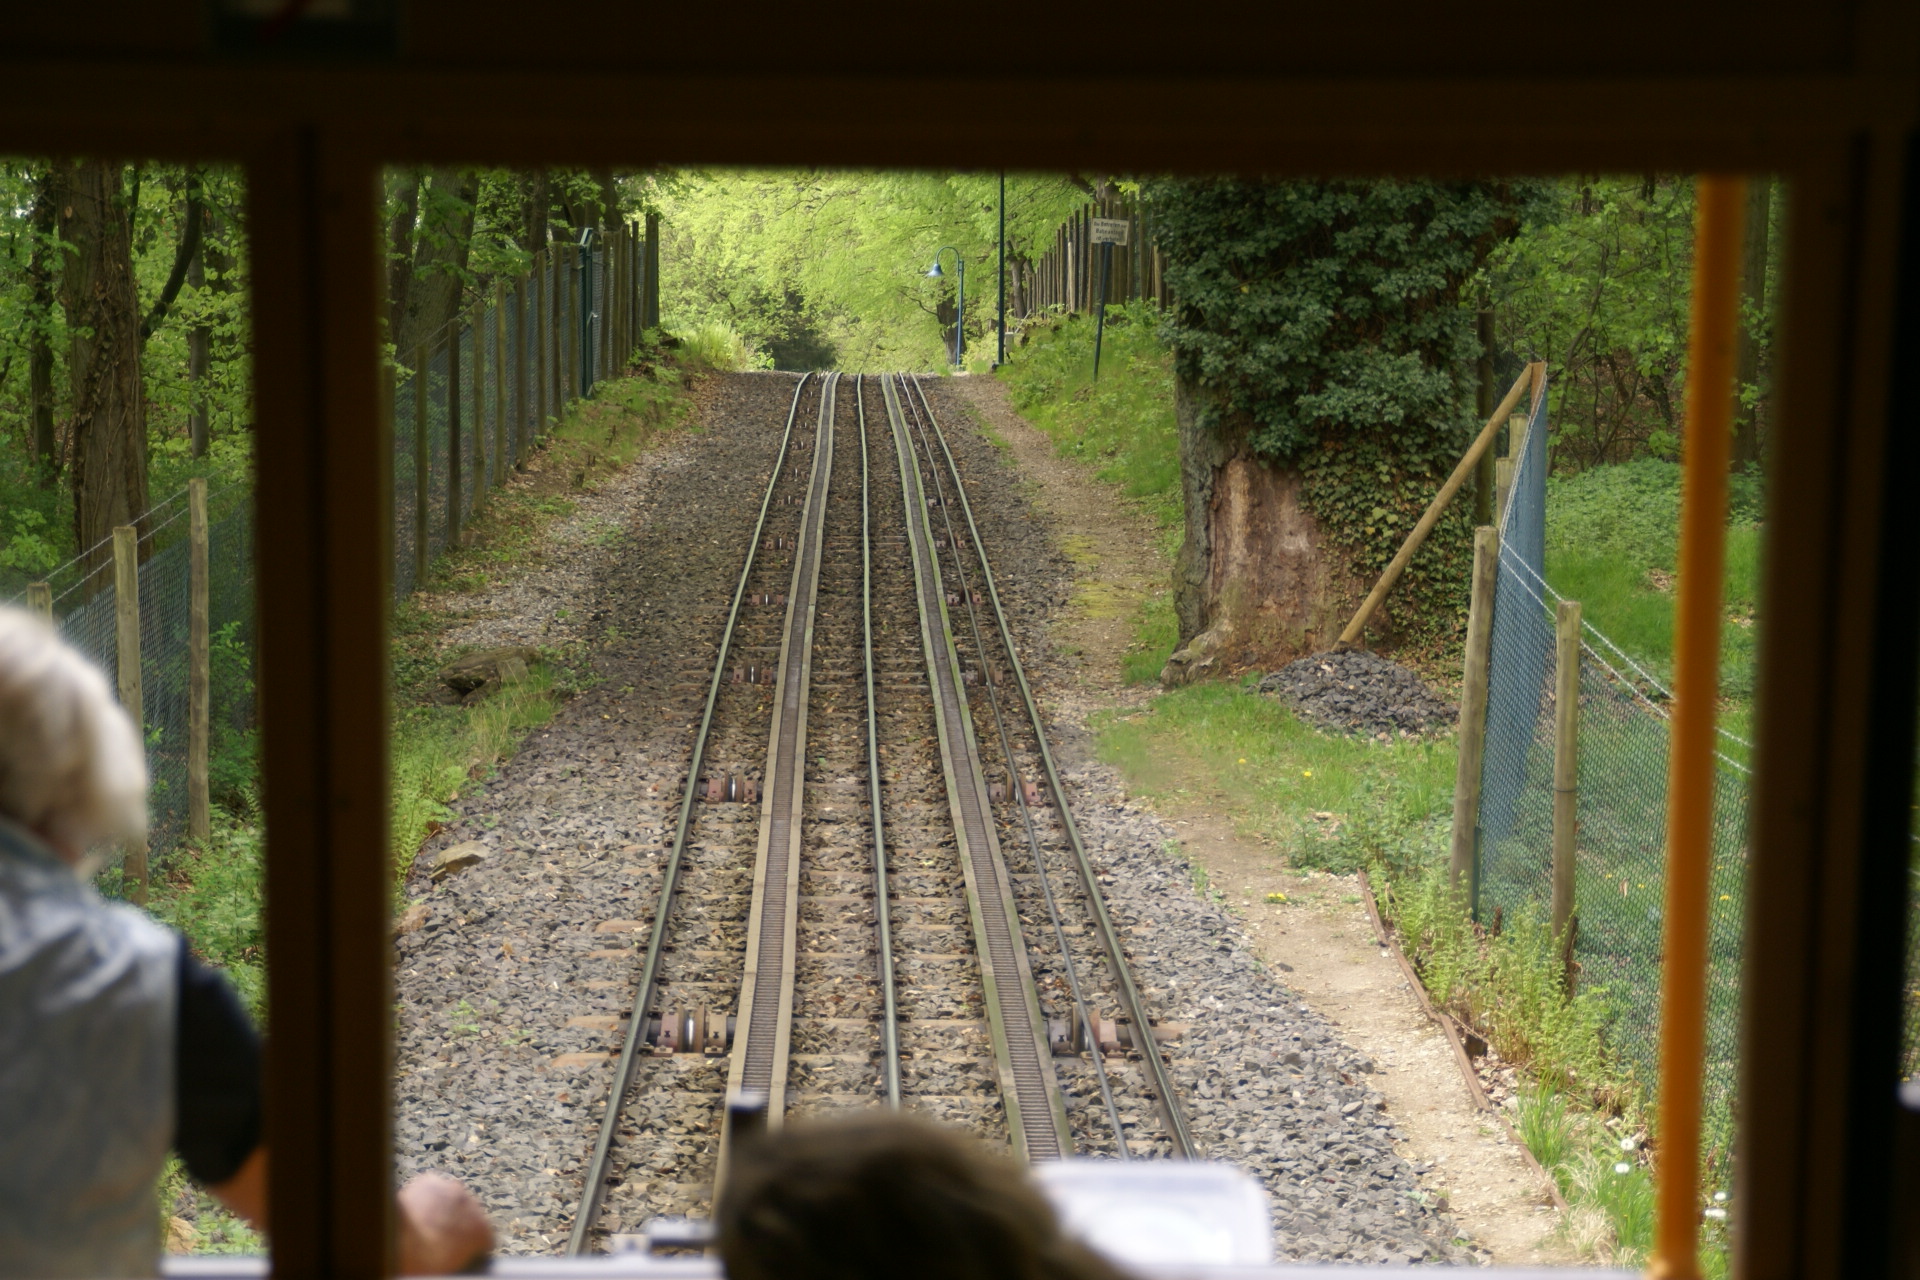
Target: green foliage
213	891
36	505
1323	319
824	268
1598	285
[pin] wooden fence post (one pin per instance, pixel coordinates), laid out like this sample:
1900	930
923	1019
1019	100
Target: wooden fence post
569	327
499	382
40	601
1566	760
456	480
422	461
520	397
199	665
126	618
542	334
478	321
652	318
1473	710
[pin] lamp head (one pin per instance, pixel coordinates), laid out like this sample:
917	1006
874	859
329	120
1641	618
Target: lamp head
934	272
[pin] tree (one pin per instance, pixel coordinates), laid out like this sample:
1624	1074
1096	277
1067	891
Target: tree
1323	391
442	244
38	326
109	450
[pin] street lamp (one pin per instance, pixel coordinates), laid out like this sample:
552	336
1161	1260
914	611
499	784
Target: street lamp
960	303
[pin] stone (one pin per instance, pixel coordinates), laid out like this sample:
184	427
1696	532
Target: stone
468	853
415	917
466	674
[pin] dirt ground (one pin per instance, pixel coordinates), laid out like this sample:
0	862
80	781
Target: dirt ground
1320	936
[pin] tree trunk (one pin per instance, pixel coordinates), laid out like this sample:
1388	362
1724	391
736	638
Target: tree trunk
1257	582
199	353
103	360
1746	420
39	341
440	258
539	198
406	216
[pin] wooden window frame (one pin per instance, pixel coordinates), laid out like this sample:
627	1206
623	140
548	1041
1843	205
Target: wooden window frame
1836	710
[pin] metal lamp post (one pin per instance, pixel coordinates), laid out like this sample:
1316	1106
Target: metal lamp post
960	302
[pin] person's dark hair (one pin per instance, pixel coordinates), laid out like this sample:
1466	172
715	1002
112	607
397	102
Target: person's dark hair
875	1197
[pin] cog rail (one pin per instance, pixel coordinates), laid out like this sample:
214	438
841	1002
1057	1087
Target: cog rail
1134	1005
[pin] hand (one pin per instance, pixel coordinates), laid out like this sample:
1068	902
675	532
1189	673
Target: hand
443	1228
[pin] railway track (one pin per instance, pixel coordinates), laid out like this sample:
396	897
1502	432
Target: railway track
839	920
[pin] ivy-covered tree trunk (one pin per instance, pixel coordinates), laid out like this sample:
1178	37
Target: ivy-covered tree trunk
103	322
1257	579
1321	357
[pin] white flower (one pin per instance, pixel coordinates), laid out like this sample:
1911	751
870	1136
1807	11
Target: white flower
1718	1215
1626	1144
1719	1197
1623	1167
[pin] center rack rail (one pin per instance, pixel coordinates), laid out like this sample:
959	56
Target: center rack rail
1029	1088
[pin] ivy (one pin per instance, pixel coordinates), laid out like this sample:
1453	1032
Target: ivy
1325	319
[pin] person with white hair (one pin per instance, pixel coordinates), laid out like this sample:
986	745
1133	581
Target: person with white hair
116	1044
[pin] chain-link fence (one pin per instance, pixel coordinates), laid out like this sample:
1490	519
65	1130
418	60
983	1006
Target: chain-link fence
475	396
467	409
1620	847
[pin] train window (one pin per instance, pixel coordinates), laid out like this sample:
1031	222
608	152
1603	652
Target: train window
126	481
795	697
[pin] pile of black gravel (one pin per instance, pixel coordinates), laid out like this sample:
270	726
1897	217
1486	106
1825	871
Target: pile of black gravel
1359	692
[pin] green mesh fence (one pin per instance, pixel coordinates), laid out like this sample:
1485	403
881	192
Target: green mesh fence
1620	865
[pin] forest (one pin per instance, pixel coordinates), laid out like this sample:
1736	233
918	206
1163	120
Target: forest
124	296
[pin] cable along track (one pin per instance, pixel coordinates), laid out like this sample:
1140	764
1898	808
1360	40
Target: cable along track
599	1171
1036	1114
1132	1006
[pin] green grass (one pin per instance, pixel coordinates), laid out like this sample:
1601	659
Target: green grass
1123	424
1274	769
1612	538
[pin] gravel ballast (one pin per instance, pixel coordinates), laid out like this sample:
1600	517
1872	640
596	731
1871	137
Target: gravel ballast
513	991
1360	692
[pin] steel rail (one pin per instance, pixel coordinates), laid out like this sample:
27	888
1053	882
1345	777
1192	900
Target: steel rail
890	1018
1029	1088
1019	796
593	1190
1136	1009
764	1029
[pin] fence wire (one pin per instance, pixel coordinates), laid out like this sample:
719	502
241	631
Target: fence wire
485	379
1620	859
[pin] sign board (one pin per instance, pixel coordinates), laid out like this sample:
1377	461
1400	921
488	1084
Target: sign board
1110	230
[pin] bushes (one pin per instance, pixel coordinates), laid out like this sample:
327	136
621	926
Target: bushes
719	346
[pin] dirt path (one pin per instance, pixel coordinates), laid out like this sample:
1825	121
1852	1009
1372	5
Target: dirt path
1320	935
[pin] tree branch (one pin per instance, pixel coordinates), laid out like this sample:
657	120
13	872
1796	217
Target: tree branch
182	258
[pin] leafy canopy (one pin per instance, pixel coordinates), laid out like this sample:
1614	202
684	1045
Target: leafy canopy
1321	308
